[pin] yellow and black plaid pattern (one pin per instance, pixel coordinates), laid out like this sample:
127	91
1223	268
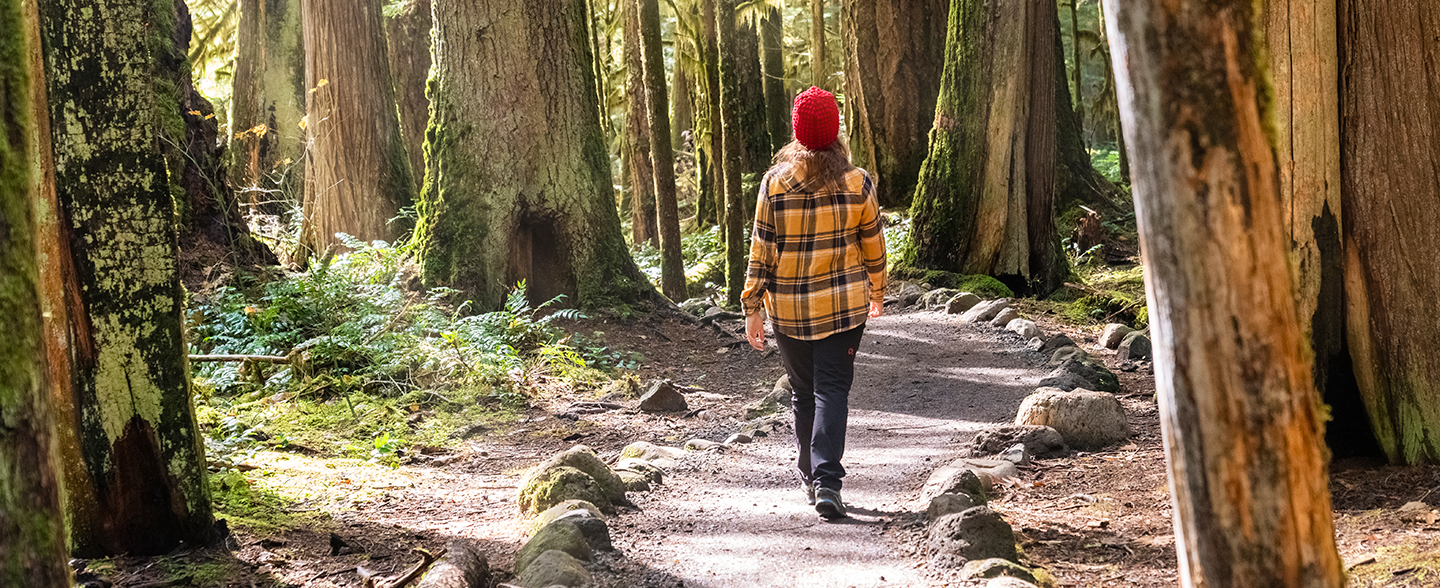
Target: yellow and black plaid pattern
817	254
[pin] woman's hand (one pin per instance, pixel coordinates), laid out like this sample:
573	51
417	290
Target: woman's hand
876	308
755	330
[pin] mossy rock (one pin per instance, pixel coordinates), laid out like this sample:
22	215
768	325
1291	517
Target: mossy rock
634	481
561	535
579	457
662	457
985	286
560	510
554	485
554	568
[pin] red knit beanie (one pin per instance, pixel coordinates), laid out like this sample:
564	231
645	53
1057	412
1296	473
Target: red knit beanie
816	119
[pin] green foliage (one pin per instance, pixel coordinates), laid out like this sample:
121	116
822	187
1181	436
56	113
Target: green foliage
1107	162
985	286
1110	295
704	255
252	507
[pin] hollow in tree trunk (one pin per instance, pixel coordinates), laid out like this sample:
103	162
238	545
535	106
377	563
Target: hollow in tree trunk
268	88
1238	407
537	206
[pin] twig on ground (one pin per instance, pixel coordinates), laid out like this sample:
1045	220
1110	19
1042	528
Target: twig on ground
426	560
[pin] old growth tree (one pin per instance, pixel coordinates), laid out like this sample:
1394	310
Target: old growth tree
518	183
268	90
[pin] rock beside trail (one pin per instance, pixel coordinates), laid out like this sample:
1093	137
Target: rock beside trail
1112	335
634	481
949	503
554	568
937	297
695	306
463	566
1025	328
1135	346
650	471
1008	582
907	294
1086	419
765	426
995	568
1004	318
975	534
560	510
778	397
974	477
1039	441
961	302
561	535
738	438
1081	372
985	311
575	474
656	455
1057	342
663	397
1064	354
703	445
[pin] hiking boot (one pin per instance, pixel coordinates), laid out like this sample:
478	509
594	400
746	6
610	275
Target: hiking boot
828	504
809	493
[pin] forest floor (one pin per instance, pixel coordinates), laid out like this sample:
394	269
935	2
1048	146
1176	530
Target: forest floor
924	384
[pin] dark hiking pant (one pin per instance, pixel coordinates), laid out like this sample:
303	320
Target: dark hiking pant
820	373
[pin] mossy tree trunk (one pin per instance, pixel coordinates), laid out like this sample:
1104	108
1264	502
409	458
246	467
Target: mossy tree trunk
1238	408
358	176
537	206
139	468
682	107
672	265
819	75
751	122
644	225
985	200
772	65
734	150
1391	198
268	88
407	37
1077	181
32	528
897	53
710	143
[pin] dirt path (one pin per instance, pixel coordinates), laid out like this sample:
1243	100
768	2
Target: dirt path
738	518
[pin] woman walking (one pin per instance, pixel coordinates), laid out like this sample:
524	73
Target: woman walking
817	264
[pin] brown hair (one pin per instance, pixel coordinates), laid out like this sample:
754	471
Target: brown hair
825	168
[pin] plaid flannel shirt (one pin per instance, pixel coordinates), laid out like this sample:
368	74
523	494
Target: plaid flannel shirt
817	257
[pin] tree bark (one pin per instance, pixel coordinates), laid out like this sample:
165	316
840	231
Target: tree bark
731	113
538	205
818	74
1238	408
1391	197
407	37
1078	183
1120	150
359	175
644	225
268	88
985	200
772	65
139	485
672	265
682	107
1079	93
712	208
752	119
897	50
32	528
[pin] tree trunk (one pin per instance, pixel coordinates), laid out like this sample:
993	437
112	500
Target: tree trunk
359	176
818	75
32	526
1391	194
772	65
268	88
1238	408
752	120
682	108
897	50
1078	183
537	206
672	265
644	225
985	200
731	113
1120	150
1079	105
407	37
140	482
711	209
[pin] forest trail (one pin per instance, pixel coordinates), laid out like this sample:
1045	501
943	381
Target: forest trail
738	518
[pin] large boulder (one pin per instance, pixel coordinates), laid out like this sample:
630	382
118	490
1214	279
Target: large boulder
561	535
1004	318
554	568
985	311
1039	441
1086	419
1112	335
663	397
657	455
555	481
1135	346
975	534
961	302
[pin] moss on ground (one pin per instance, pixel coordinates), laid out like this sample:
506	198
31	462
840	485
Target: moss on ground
255	507
984	286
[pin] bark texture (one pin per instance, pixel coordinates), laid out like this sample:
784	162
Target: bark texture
268	89
644	224
985	200
1390	146
32	528
1077	181
772	65
519	181
711	208
751	120
672	265
897	54
819	74
358	176
140	483
407	37
733	157
1238	408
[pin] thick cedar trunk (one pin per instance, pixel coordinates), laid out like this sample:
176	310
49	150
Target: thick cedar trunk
32	528
138	483
644	227
985	200
1077	181
818	73
734	152
268	89
1304	76
359	176
1391	194
752	122
1238	408
537	205
896	51
672	265
772	65
407	37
